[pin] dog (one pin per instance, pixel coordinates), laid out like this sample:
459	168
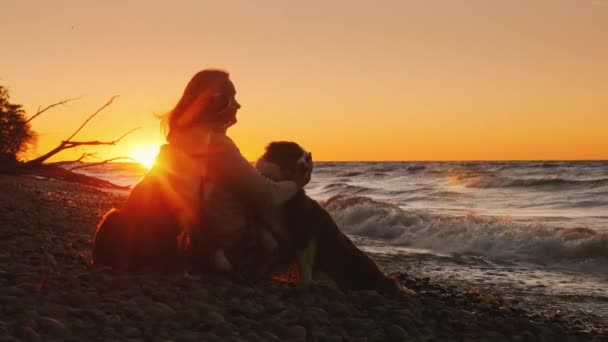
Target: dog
310	236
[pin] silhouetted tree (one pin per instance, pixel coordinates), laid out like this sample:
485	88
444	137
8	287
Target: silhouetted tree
15	131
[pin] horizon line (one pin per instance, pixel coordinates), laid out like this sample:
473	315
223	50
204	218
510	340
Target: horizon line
412	161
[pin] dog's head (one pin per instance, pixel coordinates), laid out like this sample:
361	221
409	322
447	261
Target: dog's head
286	160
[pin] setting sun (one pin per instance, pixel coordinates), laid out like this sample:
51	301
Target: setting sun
145	154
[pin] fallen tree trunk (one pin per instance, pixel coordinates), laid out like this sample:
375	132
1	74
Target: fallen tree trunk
59	173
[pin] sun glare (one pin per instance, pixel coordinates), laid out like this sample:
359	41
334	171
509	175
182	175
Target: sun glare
145	154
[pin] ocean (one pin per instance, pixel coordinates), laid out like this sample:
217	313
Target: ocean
534	231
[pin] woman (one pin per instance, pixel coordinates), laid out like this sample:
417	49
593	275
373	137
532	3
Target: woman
201	190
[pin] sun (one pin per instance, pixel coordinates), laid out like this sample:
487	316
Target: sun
145	154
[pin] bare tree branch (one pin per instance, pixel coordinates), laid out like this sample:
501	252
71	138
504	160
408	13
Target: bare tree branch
66	144
70	144
49	107
83	156
100	163
124	135
91	117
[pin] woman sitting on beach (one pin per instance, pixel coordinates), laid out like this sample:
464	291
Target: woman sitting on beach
203	190
200	191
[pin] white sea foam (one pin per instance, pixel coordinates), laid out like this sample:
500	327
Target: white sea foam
493	237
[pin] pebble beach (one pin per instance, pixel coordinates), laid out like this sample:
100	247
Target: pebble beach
50	292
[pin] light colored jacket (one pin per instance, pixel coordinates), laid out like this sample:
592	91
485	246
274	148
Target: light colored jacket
231	186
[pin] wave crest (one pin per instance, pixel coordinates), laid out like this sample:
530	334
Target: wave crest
494	237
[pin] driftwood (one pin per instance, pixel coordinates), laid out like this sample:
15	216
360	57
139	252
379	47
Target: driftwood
38	167
59	173
68	143
40	111
83	166
80	159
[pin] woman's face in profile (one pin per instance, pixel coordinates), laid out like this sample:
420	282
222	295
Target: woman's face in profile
226	104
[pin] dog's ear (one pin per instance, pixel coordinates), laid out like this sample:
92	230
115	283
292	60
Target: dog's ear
304	168
270	170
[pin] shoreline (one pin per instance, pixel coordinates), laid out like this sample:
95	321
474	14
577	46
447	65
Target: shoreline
49	292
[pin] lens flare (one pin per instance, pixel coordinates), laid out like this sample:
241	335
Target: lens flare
145	154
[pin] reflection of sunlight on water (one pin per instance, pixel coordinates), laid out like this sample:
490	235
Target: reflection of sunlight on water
454	180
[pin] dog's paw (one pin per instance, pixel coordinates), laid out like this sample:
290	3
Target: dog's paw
220	261
404	291
396	288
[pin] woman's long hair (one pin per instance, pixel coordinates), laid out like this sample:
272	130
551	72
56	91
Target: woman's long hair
196	106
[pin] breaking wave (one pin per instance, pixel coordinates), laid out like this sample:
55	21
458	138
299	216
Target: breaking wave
493	237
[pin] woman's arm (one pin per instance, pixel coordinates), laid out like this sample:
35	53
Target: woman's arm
228	164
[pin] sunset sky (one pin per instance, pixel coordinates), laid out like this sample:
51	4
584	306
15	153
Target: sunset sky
349	80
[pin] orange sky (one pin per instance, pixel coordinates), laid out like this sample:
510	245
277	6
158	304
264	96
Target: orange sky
349	80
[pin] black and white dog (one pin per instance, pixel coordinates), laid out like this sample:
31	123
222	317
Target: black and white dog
310	235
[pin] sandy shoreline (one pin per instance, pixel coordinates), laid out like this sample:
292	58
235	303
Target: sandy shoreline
49	293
